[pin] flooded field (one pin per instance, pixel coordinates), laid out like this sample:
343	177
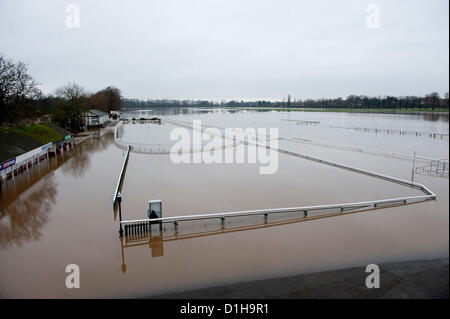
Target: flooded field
61	212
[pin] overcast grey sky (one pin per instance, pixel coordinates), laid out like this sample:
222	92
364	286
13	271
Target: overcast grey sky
225	49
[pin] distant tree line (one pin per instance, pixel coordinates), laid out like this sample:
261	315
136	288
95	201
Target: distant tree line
431	101
21	99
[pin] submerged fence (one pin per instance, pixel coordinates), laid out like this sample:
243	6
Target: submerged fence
161	148
142	226
434	135
120	180
389	131
435	168
359	149
154	234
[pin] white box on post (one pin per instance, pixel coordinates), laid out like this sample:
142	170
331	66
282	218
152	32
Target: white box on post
154	209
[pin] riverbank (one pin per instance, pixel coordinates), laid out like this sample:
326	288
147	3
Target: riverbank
410	279
18	140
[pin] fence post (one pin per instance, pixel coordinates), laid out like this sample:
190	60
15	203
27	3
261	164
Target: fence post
443	168
119	199
414	162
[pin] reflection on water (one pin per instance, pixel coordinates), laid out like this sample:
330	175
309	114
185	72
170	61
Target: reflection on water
26	201
434	117
23	220
80	163
155	234
153	239
165	111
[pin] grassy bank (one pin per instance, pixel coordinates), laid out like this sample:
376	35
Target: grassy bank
18	140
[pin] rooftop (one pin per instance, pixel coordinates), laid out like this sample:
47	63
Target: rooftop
97	112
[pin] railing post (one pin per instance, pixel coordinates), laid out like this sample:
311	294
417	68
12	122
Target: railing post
119	200
443	167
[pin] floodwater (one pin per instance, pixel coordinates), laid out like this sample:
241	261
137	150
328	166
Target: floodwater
61	213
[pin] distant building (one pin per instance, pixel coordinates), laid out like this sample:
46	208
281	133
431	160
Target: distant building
114	115
95	118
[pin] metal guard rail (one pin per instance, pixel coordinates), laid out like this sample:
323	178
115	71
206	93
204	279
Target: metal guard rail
145	148
124	165
342	207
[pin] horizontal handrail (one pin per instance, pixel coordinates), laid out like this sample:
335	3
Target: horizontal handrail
349	206
355	205
360	149
344	166
116	192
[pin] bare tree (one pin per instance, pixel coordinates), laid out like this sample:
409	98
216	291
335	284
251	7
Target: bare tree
16	88
70	91
71	103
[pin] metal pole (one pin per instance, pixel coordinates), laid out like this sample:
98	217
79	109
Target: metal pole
124	266
414	161
28	173
119	199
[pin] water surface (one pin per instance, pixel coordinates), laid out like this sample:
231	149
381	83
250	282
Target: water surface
62	213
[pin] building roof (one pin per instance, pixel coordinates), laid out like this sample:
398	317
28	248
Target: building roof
98	112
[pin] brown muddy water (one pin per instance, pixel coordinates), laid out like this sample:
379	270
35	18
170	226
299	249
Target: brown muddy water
61	213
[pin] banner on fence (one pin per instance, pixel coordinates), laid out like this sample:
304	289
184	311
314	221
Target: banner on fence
7	164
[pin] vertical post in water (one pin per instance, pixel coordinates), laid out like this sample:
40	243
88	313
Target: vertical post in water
443	168
414	162
119	199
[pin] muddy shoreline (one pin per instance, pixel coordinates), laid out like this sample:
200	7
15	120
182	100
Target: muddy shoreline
400	280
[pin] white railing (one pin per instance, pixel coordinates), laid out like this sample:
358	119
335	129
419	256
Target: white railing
160	148
359	149
435	168
119	181
342	208
26	159
442	136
